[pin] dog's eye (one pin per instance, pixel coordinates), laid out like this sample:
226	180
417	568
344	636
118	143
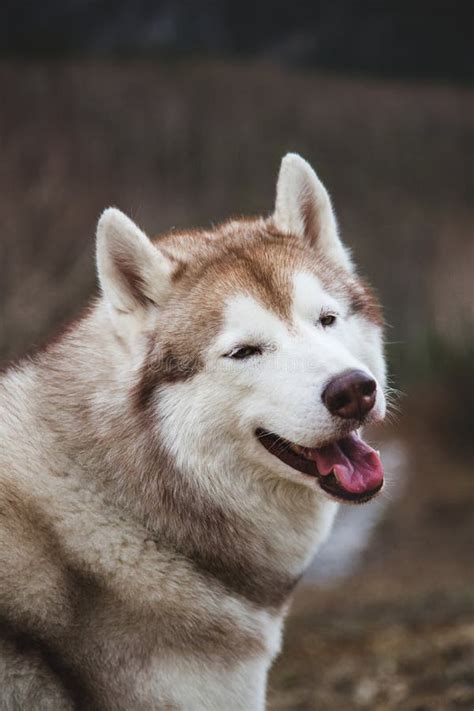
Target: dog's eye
327	320
244	352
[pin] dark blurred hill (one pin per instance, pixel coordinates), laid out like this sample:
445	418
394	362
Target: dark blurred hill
417	39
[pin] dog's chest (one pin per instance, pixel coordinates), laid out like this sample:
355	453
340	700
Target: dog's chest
148	626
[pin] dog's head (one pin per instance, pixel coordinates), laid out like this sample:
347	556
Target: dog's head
254	349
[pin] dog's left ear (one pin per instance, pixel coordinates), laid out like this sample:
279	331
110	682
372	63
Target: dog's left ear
303	207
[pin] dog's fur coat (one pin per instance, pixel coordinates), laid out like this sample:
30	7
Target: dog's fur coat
149	544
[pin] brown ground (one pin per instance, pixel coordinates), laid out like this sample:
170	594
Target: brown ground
399	633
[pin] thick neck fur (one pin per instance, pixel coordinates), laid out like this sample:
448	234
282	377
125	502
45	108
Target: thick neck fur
255	547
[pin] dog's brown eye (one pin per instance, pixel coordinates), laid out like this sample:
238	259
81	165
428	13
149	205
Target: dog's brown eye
327	320
245	352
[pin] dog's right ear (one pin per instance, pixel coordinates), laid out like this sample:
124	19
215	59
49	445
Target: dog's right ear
133	273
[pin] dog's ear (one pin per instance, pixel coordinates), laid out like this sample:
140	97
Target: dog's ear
303	207
133	273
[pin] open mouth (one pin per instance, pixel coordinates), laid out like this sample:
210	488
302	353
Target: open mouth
347	469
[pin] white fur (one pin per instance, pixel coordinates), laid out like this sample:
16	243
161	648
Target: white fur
281	390
241	689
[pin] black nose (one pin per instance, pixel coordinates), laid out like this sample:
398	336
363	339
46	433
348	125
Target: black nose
350	395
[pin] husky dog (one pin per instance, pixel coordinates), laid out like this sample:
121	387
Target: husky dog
171	463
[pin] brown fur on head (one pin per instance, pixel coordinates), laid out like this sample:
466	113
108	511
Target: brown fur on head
248	256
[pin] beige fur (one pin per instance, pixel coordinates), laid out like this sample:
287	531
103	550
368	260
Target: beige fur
148	551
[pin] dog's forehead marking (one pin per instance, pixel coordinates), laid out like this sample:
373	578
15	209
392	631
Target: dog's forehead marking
310	296
246	317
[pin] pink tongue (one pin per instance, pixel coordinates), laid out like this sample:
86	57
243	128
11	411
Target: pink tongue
356	466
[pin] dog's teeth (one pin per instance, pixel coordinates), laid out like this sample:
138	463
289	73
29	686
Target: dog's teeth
377	451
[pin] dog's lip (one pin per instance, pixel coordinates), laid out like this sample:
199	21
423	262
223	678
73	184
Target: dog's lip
334	465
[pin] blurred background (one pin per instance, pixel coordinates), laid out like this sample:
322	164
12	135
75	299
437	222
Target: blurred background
179	112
